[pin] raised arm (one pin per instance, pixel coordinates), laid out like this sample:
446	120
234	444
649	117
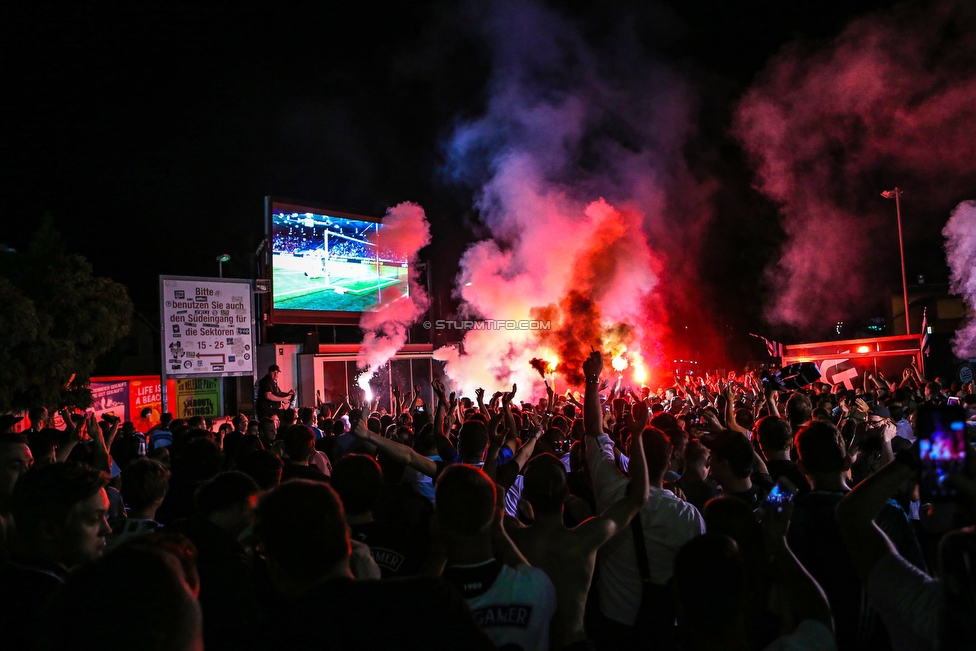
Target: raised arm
918	376
592	413
855	515
772	400
730	422
72	434
397	401
495	440
805	595
452	410
524	453
343	409
101	459
441	410
479	393
507	408
608	524
398	451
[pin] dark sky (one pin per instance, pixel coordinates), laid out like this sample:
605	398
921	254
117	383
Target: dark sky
151	131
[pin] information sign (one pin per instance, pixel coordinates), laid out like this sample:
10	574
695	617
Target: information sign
207	327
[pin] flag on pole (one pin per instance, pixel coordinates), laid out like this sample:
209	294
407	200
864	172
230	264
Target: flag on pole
925	332
773	348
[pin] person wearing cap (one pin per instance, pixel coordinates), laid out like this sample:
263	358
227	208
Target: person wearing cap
270	395
7	422
736	467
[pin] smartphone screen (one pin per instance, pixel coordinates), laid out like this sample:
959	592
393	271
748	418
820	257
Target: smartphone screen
782	493
941	449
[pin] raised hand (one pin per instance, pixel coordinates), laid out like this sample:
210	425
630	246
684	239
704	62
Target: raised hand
640	413
889	431
507	397
496	434
592	365
680	494
775	524
729	393
480	394
94	430
439	390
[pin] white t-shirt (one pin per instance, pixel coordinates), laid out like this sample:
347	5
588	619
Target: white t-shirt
517	608
321	461
909	601
904	430
421	483
668	523
361	562
810	635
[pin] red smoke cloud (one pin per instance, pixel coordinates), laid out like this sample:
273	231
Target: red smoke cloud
893	97
558	133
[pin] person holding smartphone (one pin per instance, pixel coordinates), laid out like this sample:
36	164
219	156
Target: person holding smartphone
920	611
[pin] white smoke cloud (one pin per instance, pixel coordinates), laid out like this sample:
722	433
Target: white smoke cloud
960	236
404	232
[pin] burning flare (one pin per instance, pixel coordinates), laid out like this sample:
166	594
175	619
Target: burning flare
640	373
363	382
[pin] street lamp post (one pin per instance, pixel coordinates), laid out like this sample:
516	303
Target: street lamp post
221	259
895	194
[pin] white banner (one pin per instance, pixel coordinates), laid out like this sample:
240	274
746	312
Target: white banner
208	327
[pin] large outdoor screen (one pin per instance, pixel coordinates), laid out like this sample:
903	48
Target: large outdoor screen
326	266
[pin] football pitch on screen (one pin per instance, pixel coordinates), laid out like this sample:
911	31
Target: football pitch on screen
293	290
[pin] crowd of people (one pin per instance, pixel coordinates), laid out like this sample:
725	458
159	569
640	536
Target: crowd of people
720	512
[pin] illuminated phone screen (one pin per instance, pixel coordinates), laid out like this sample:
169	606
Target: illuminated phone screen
941	451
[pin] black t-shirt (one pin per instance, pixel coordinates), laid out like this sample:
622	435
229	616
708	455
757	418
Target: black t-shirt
264	406
697	493
396	550
297	471
815	539
761	485
414	613
228	598
26	586
400	505
785	468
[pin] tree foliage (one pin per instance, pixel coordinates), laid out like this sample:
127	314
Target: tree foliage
56	318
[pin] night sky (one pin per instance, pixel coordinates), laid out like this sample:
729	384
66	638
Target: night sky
152	131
